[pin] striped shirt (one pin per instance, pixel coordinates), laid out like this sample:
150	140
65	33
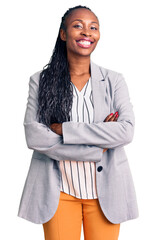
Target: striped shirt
78	178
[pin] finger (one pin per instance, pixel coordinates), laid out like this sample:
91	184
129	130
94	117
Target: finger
114	117
108	117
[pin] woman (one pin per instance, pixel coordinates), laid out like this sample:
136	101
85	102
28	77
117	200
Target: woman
79	170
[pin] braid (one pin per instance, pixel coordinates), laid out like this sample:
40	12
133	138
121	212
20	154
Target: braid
55	94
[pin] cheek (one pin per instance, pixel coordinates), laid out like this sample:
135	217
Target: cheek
70	44
70	38
70	33
97	36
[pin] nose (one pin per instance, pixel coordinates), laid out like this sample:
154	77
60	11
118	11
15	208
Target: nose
85	32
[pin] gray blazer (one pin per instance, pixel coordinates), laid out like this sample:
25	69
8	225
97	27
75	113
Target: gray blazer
82	142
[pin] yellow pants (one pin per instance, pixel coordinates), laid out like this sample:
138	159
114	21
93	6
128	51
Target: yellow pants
71	212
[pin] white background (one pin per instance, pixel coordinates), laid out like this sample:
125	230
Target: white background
127	45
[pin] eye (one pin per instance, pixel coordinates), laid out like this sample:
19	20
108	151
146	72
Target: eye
94	28
75	26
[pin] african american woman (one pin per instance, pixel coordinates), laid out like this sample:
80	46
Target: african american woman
77	121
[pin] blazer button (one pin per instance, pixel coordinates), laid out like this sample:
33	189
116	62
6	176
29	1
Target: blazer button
99	168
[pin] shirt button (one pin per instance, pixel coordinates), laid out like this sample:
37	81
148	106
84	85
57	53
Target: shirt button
99	168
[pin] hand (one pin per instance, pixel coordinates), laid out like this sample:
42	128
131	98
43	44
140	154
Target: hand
111	118
57	128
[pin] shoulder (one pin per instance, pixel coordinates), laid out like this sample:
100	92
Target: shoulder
111	75
34	80
35	77
109	72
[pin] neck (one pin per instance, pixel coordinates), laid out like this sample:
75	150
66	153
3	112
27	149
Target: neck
79	65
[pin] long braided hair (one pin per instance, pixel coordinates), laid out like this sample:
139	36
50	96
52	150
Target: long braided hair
55	93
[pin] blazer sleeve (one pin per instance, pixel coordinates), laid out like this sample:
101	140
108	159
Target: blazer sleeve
106	134
42	139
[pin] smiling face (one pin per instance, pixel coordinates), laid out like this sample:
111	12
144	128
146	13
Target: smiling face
82	32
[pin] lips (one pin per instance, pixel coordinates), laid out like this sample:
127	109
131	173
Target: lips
84	42
84	39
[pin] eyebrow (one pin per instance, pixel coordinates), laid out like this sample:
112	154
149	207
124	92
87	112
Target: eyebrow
82	21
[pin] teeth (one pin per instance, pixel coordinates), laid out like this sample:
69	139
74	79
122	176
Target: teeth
84	42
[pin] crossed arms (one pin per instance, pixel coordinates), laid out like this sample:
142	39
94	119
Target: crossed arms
80	141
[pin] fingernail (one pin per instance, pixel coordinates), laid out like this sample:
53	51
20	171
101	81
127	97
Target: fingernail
111	114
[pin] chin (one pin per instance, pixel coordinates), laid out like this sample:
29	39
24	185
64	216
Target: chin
84	54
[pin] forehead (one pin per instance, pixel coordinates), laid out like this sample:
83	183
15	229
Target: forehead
81	13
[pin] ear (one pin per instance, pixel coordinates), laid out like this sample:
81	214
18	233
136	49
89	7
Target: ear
62	35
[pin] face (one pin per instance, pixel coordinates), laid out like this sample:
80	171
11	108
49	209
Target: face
82	32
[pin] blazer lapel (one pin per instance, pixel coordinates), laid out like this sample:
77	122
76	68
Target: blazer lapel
101	97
